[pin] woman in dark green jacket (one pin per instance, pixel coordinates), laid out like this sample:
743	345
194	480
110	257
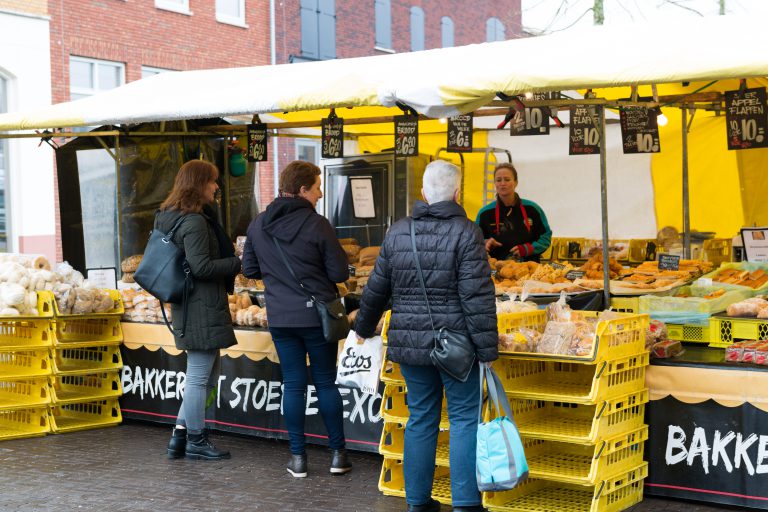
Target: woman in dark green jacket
207	325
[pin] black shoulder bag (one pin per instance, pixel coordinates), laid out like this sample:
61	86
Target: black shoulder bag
165	273
333	316
454	352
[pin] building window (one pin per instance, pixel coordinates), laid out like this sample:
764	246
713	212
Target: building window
383	14
181	6
494	30
318	29
4	170
147	71
417	29
91	76
231	11
446	30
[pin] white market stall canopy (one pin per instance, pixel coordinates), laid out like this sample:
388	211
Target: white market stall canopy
436	83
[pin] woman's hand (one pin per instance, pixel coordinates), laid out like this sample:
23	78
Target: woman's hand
515	252
491	244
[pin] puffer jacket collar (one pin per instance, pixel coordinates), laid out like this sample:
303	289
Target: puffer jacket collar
285	216
441	210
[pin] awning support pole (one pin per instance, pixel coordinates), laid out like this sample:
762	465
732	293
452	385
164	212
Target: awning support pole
686	205
118	204
604	208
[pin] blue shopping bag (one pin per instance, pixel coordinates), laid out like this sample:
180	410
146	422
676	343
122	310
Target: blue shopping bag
501	463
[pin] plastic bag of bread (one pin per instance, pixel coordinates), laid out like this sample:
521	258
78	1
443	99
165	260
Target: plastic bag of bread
749	351
656	332
83	301
761	354
131	263
102	302
556	338
746	308
559	311
667	348
239	246
522	340
128	277
368	255
582	340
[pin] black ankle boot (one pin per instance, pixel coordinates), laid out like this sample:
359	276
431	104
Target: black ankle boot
340	462
177	444
430	506
297	465
471	508
200	447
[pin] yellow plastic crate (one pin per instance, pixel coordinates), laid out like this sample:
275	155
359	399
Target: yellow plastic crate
25	365
44	308
692	333
393	441
394	406
385	326
85	415
392	483
511	322
18	423
718	250
15	394
390	373
118	308
569	248
638	250
611	495
579	423
573	382
88	330
625	304
26	334
723	331
585	464
67	389
83	360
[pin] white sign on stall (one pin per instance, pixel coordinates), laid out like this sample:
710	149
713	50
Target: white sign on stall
102	277
755	244
362	197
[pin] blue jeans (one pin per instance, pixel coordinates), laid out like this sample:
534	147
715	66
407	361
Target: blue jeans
425	396
293	344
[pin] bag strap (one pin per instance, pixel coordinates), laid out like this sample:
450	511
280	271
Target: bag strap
496	393
421	275
290	269
184	301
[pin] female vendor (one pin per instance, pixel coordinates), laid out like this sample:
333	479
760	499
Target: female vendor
513	228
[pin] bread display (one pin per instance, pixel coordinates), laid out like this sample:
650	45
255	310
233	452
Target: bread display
754	279
245	313
131	263
140	306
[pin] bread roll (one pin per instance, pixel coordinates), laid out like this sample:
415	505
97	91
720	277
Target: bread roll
368	256
41	263
131	263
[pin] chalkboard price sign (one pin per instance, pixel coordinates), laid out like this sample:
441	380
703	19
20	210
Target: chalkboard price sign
584	137
669	262
532	120
746	119
639	130
333	137
257	142
460	134
574	274
406	135
556	266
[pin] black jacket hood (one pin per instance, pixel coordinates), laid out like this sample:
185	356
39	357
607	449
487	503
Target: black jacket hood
285	216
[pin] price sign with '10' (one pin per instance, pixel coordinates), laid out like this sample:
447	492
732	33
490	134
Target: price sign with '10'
746	119
406	135
532	120
460	134
583	137
639	130
257	142
333	137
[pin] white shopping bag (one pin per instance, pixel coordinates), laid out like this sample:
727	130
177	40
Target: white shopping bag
360	363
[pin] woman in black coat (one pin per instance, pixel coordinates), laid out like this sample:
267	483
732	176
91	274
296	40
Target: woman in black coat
205	319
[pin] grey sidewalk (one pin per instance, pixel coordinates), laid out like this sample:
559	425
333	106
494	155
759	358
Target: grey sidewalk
124	468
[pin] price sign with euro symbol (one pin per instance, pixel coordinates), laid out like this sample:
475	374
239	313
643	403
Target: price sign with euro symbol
406	135
333	137
460	134
257	142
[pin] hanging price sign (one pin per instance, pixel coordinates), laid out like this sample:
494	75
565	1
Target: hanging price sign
333	137
460	134
532	120
257	142
406	135
746	119
639	130
584	137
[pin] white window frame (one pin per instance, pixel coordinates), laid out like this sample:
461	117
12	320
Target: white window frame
181	7
231	20
90	92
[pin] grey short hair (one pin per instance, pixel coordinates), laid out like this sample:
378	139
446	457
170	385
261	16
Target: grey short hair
441	180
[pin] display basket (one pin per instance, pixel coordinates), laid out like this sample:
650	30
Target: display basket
573	382
579	423
392	443
67	389
18	423
44	308
392	482
742	265
585	464
16	394
511	322
85	415
25	334
25	365
83	360
394	406
88	330
639	250
725	330
696	303
534	495
689	332
614	339
625	304
118	308
390	373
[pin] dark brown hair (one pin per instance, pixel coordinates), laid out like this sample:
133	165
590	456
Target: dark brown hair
298	174
506	166
188	192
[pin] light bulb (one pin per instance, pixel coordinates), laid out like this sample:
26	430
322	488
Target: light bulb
661	120
528	95
443	120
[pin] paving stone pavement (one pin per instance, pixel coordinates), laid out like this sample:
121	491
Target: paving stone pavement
124	468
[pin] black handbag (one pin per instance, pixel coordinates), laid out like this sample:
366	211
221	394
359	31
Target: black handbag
165	273
454	352
333	315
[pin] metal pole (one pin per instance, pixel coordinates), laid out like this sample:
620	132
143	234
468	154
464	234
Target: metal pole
686	205
604	208
118	205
